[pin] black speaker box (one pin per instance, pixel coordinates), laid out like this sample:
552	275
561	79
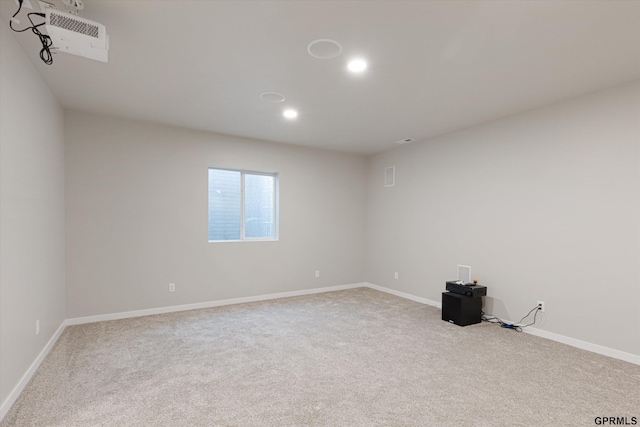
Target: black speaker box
461	309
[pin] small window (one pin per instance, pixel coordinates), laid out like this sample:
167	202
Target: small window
243	205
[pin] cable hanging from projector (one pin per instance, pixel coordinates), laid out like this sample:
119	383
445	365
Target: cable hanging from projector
45	53
65	32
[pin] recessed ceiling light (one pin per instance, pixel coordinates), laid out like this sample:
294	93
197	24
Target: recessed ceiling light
290	114
272	97
357	65
404	141
324	49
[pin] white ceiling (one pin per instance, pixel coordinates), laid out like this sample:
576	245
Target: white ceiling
434	66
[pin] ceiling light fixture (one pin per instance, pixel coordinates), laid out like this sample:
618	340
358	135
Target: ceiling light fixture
404	141
290	114
357	66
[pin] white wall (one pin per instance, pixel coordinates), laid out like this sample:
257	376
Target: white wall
32	267
543	206
137	217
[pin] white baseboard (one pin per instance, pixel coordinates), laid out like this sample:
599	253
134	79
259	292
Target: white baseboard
594	348
404	295
584	345
208	304
13	396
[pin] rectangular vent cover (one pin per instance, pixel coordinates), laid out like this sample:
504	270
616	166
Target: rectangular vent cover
390	176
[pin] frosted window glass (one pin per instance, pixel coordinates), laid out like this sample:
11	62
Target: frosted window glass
259	206
224	204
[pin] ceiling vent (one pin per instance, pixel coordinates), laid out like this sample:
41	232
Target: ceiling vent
77	36
272	97
324	49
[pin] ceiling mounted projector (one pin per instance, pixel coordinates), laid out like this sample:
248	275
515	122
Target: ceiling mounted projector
78	36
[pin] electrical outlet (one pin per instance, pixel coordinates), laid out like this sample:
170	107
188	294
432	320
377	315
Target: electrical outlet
541	306
37	326
317	273
172	287
395	275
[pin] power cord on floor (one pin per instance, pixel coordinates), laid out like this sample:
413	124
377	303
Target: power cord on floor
515	326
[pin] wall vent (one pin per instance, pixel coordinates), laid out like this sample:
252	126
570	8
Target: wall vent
390	176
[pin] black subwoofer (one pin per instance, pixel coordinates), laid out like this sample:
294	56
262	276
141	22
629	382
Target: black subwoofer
461	309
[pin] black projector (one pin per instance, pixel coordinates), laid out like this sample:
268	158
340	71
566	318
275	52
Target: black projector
468	289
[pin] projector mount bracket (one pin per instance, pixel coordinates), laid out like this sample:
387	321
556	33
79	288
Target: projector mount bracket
73	6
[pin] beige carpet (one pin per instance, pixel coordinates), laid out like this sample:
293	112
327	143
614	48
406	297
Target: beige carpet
350	358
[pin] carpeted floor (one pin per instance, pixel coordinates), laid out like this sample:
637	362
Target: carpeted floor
350	358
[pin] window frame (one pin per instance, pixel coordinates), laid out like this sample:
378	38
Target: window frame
243	213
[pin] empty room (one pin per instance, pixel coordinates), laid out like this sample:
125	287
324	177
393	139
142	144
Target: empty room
319	213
